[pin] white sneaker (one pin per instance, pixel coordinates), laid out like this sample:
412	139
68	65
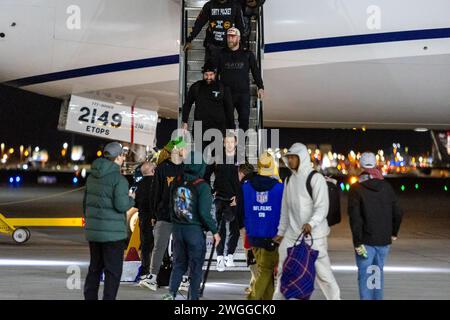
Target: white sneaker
230	262
184	286
168	296
149	282
220	264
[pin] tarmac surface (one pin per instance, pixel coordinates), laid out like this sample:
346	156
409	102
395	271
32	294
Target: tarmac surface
418	266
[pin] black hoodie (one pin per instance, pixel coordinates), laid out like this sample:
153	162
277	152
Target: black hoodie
220	17
226	183
143	192
374	212
165	173
234	68
213	104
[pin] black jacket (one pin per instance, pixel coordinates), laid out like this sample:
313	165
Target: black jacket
240	201
213	104
221	17
374	213
226	183
234	68
142	199
165	173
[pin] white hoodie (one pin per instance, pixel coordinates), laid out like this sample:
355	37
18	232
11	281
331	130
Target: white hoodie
297	207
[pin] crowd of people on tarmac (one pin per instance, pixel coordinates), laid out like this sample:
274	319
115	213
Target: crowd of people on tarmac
175	196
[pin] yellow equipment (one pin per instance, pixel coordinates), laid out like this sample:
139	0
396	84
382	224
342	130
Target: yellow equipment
20	234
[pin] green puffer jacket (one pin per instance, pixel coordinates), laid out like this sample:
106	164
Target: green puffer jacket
106	202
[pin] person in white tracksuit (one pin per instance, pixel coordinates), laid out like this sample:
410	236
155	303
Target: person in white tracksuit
301	213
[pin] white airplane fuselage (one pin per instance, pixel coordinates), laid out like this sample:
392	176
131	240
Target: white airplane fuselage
327	63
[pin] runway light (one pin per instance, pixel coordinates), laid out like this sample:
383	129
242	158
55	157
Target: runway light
40	263
353	180
403	187
75	180
394	269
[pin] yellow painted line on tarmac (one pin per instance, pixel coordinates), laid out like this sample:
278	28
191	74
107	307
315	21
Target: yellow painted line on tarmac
45	222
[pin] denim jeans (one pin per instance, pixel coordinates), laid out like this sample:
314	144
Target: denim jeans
370	272
189	249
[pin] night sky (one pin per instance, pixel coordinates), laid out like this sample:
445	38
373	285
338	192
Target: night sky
31	119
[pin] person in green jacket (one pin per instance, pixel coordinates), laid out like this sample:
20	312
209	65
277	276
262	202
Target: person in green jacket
190	207
105	204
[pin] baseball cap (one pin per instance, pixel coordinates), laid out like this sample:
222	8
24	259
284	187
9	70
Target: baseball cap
234	32
368	160
112	150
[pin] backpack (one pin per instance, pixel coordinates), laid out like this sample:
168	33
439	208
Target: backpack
163	277
184	196
334	209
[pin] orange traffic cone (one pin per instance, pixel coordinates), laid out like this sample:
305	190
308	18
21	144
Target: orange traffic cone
132	255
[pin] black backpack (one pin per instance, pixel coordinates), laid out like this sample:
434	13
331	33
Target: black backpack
163	277
334	209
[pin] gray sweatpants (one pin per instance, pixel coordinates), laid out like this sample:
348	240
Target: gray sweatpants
161	233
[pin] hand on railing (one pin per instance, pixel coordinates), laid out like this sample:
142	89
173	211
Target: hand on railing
261	94
187	46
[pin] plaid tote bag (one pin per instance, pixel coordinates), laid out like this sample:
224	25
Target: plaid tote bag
299	272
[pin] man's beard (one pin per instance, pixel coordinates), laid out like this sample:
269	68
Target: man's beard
233	45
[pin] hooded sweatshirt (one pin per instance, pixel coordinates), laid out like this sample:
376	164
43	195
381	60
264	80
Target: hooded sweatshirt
374	212
165	173
298	208
201	203
213	104
106	202
220	16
